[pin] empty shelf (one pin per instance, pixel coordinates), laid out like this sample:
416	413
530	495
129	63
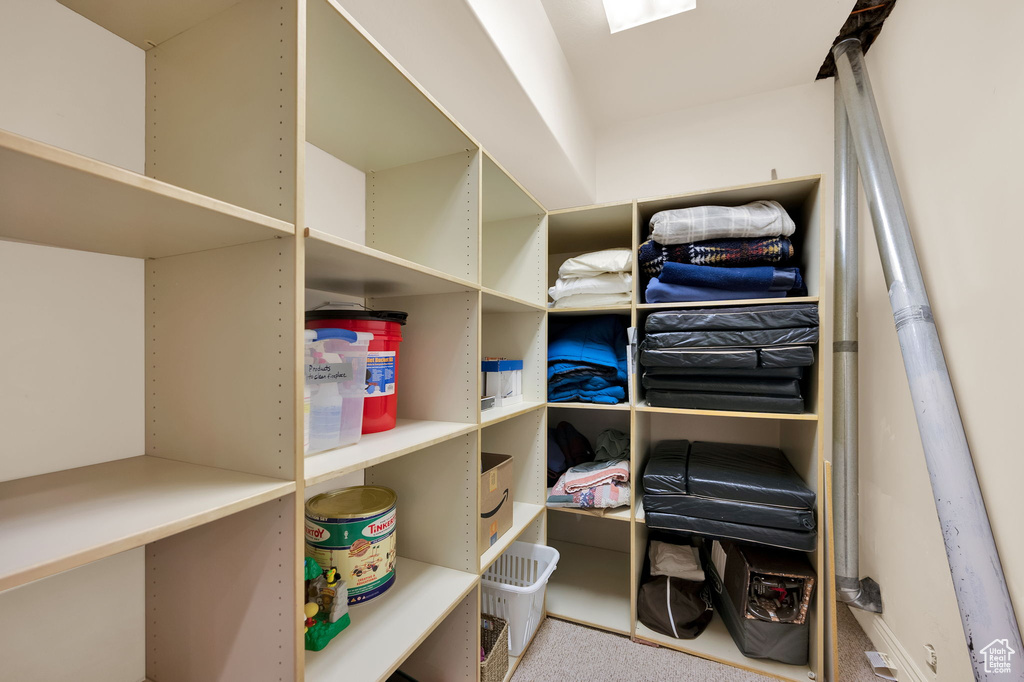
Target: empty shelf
344	267
500	414
523	514
386	630
57	198
57	521
590	586
408	436
497	302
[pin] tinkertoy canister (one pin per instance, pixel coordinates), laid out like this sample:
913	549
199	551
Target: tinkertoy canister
353	531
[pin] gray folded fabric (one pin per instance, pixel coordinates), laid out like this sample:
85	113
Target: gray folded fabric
731	339
756	219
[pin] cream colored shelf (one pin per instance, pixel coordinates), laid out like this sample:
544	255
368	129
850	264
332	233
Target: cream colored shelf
624	407
497	302
716	644
500	414
344	267
642	406
618	514
719	304
590	586
386	630
523	514
599	310
57	198
409	435
54	522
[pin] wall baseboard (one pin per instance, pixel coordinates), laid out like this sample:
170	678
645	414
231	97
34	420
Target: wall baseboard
882	636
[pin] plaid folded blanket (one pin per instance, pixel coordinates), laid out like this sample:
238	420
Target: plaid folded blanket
652	256
756	219
591	474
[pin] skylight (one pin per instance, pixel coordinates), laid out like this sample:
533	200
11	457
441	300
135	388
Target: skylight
623	14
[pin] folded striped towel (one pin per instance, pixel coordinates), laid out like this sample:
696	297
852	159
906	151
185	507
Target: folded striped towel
592	474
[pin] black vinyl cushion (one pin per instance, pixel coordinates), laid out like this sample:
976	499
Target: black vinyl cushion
780	316
731	338
704	384
734	373
665	472
746	473
724	401
715	509
802	541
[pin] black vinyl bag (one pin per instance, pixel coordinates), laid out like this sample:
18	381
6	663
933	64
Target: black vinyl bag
673	606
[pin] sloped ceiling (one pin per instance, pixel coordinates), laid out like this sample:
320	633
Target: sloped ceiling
721	50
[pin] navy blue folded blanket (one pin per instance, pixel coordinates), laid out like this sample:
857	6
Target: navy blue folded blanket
762	278
587	360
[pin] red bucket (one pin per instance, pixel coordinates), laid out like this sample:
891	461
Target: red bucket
380	407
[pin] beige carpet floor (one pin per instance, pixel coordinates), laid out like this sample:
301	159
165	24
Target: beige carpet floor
567	652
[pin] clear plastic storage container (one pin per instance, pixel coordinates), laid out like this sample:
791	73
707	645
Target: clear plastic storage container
335	362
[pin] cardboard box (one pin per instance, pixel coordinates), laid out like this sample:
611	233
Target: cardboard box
495	497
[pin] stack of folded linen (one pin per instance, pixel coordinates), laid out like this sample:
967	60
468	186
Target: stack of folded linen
594	279
715	253
748	358
587	360
748	493
600	482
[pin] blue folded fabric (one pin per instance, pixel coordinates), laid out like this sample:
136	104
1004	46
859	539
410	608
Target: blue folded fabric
763	278
587	360
660	292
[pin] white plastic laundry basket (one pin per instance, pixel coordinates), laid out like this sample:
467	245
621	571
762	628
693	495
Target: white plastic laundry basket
513	589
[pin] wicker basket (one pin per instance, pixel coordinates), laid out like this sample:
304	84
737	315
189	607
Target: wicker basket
494	640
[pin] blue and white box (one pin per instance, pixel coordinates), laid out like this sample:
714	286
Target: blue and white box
503	379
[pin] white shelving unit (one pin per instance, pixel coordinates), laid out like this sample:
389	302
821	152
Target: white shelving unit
160	445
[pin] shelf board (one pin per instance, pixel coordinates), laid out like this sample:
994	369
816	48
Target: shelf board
386	630
523	514
344	267
599	310
408	436
147	24
716	644
719	304
617	514
590	406
503	197
500	414
642	406
497	302
54	197
590	586
58	521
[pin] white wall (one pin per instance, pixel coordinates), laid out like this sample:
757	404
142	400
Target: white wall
68	82
952	119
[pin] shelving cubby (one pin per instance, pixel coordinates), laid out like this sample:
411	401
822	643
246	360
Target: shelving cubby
575	231
514	234
519	333
420	172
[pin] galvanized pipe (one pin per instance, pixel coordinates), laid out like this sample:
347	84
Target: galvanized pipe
986	611
844	360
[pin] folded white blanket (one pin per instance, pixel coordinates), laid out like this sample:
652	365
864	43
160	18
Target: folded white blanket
757	219
596	263
592	300
675	561
608	283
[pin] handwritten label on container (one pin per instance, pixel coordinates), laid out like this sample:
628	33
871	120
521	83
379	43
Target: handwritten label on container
329	373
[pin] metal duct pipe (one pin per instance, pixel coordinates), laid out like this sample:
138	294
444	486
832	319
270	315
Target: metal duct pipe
986	611
849	588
